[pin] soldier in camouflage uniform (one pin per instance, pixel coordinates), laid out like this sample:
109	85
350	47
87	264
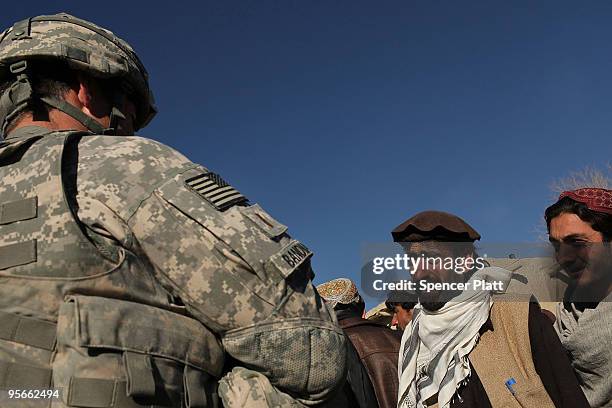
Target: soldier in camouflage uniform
130	276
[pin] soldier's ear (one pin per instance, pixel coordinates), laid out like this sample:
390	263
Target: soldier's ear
84	92
92	98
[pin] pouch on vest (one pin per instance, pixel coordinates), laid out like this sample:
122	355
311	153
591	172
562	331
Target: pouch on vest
294	355
108	349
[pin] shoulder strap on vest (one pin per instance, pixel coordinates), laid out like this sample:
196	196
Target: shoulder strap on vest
502	358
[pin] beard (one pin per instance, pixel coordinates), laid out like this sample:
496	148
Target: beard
434	300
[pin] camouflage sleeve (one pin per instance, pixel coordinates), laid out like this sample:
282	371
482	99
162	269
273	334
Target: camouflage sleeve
238	271
243	388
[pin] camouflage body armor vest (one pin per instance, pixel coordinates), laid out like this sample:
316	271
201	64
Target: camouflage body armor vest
82	316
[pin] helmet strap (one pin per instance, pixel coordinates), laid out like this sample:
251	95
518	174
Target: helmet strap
78	115
18	96
116	114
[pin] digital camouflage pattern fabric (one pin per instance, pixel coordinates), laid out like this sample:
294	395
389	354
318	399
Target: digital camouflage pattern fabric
131	276
140	270
242	388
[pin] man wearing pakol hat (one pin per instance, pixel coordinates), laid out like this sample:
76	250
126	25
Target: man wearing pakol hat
463	349
376	344
580	230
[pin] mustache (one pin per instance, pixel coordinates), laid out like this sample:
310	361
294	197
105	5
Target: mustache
427	278
574	266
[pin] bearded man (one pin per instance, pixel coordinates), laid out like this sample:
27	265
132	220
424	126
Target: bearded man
466	349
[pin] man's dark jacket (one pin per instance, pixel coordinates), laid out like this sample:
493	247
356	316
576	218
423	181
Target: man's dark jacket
378	348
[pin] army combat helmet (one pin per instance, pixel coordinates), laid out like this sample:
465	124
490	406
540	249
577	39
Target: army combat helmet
83	46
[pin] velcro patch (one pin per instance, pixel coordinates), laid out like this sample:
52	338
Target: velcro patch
289	258
215	190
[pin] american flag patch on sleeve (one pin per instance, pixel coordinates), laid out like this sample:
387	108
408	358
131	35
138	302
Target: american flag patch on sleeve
216	191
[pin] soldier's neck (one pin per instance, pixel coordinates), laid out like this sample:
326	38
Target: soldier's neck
57	121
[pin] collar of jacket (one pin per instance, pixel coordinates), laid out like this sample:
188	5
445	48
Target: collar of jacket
27	132
352	321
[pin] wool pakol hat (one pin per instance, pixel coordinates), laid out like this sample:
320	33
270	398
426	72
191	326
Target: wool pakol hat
434	226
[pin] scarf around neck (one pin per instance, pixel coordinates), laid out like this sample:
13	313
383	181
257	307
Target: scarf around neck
586	335
436	344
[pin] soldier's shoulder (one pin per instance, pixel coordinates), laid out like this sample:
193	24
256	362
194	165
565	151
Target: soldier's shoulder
108	148
122	170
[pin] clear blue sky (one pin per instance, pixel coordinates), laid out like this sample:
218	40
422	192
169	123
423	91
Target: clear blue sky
343	118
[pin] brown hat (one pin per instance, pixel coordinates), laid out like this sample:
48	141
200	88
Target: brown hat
434	225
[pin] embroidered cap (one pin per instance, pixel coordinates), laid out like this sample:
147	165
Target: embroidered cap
341	290
596	199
